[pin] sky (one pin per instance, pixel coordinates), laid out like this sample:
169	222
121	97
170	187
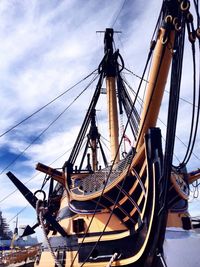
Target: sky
46	47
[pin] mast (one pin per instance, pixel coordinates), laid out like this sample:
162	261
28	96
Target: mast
110	70
14	234
157	81
94	136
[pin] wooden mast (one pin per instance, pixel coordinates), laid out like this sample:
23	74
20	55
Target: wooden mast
113	117
111	94
158	76
94	135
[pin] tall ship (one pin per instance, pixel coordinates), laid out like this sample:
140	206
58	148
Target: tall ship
129	207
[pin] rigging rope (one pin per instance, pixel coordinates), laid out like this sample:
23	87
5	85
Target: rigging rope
148	107
141	102
120	10
136	75
107	178
49	103
190	151
39	211
19	212
185	100
102	194
113	258
195	116
186	157
82	132
35	139
176	71
16	190
145	80
113	208
196	5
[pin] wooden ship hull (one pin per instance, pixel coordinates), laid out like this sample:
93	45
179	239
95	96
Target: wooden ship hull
118	215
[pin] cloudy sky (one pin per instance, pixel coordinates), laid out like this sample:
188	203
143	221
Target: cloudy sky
46	47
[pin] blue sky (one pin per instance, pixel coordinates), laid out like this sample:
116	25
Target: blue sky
46	47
